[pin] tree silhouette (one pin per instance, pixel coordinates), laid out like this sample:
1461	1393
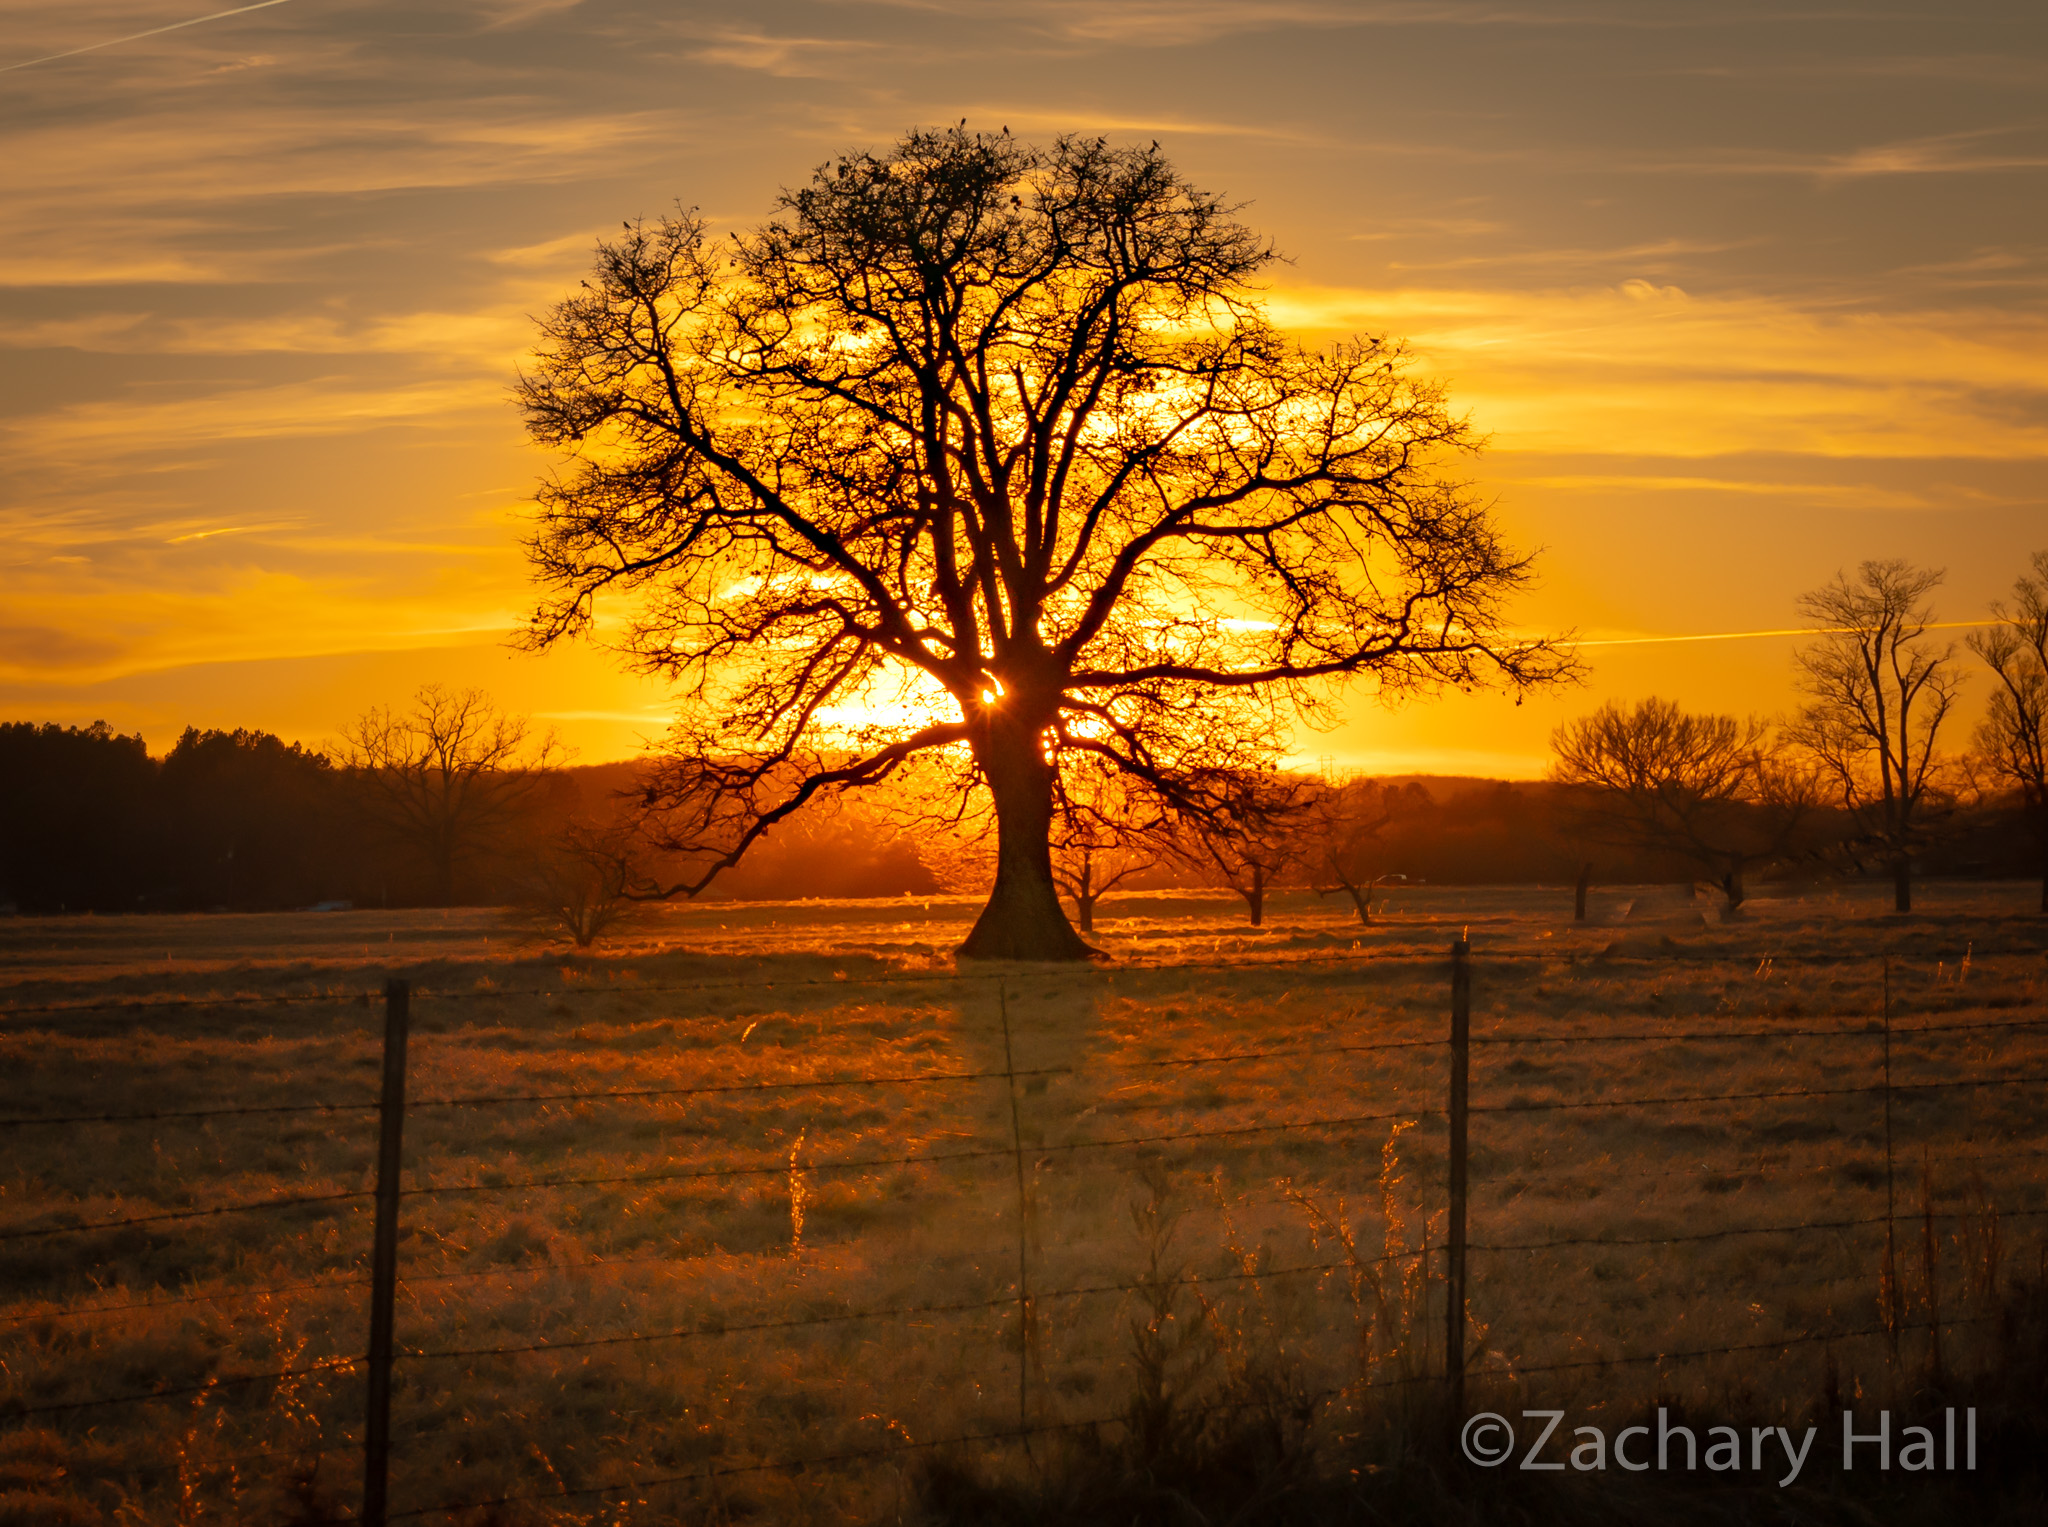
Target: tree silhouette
990	448
248	820
1106	831
2012	739
75	809
447	776
1718	792
1878	693
582	880
1345	837
1251	839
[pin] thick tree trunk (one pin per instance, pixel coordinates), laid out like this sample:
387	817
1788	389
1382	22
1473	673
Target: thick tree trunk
1255	897
1902	884
1731	887
1579	892
1023	919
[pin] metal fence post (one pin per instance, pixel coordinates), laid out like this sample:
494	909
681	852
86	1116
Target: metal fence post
1023	1218
384	1255
1454	1259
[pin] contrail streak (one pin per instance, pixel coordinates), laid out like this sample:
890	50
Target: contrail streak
1734	636
93	47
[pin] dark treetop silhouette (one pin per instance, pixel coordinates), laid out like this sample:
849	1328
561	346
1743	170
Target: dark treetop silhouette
1878	693
2012	739
987	448
1726	795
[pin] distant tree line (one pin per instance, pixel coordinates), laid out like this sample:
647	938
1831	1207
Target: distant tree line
451	801
447	802
233	820
244	821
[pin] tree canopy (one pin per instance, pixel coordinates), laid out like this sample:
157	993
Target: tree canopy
448	776
989	449
1721	793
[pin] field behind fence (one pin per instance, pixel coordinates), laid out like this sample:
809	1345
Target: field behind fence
762	1219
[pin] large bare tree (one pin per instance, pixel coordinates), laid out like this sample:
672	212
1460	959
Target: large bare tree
990	448
2012	739
1718	792
1878	692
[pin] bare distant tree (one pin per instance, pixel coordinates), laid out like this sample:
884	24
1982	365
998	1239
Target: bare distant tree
1087	872
586	880
1720	793
1343	837
447	775
2012	739
1106	831
1251	842
1878	692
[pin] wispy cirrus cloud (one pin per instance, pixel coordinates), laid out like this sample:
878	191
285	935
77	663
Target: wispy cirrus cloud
1683	376
100	432
1979	151
1173	23
785	57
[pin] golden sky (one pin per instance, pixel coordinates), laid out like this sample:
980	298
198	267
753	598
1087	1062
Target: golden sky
1742	294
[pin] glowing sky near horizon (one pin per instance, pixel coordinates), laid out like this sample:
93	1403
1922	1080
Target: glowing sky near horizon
1741	295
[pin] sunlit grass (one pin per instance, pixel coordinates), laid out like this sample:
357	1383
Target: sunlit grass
721	994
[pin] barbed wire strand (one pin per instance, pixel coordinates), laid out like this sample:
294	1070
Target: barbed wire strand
1124	1142
778	1168
1745	1097
218	1381
179	1214
1005	1301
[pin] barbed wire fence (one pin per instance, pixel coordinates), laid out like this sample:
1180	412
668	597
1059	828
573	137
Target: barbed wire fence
386	1196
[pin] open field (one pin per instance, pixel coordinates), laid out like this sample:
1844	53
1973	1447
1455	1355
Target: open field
1229	1144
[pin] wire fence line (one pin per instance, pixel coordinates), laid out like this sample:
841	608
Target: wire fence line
367	996
667	1259
780	1166
291	1201
1849	1026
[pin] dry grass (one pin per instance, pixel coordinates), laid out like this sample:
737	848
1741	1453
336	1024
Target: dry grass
726	994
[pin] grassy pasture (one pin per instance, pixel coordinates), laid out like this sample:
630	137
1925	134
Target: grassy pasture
1162	1265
